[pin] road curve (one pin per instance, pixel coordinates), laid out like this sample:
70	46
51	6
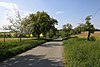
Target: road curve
48	54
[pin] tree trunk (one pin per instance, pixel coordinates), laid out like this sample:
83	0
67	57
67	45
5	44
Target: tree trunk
38	36
20	38
29	35
88	35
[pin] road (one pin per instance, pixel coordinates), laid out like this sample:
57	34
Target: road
48	54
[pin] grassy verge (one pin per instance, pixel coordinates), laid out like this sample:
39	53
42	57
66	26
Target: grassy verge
82	53
12	48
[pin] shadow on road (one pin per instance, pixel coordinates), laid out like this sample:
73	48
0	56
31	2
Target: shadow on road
52	43
31	61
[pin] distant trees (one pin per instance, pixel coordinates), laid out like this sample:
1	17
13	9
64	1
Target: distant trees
79	29
66	30
41	22
87	26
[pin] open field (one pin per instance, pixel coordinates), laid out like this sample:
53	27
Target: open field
12	39
96	34
81	53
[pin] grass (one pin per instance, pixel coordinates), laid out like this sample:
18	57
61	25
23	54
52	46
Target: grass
13	47
82	53
12	39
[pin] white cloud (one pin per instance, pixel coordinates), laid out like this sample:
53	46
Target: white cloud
11	7
59	12
10	10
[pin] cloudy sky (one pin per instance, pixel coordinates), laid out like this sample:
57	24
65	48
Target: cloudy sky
65	11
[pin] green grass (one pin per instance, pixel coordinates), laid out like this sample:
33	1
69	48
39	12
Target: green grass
81	53
13	47
12	39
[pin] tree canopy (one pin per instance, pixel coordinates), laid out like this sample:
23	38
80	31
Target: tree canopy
40	22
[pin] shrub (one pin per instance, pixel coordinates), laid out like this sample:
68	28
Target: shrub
92	38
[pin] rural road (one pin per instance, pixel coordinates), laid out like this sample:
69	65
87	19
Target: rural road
48	54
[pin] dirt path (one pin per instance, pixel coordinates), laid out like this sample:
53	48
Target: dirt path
45	55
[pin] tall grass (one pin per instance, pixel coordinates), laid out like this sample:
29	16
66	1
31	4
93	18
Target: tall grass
82	53
13	47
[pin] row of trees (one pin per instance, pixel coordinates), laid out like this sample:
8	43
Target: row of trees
34	24
67	29
41	22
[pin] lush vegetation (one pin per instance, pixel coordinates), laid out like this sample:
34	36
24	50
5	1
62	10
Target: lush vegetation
35	24
79	52
67	29
12	43
14	47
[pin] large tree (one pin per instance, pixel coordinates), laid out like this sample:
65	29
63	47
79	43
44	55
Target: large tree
41	22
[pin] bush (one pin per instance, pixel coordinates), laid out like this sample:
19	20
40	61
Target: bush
92	38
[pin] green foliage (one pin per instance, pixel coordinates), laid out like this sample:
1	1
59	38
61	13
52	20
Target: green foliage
82	53
12	48
79	29
39	22
67	30
89	27
53	32
92	38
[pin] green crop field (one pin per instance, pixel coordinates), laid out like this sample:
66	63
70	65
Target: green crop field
81	53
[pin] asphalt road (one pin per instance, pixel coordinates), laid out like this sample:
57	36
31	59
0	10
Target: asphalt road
46	55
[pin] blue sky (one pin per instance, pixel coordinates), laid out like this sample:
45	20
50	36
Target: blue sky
65	11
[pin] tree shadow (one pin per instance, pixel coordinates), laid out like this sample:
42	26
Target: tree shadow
66	38
52	43
31	61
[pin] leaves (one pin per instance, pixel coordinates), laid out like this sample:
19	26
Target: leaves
40	22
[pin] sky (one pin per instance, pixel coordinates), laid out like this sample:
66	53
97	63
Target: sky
65	11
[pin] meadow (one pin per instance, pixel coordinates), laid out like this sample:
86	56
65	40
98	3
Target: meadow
79	52
13	46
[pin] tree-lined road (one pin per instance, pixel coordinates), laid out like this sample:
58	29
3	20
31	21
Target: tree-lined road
46	55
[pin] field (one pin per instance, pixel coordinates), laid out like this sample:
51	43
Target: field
84	35
82	53
12	39
13	46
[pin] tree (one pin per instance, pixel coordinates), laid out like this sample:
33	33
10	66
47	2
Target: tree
26	26
89	27
79	29
15	24
67	30
41	22
50	34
